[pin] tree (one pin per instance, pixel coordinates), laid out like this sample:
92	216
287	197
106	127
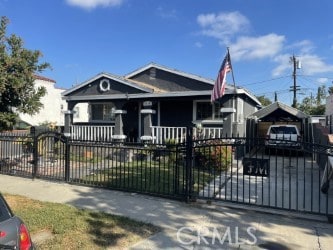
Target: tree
264	100
330	90
314	105
18	67
321	95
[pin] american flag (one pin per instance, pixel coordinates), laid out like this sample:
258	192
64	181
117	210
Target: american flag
219	87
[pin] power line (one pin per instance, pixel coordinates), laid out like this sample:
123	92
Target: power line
264	81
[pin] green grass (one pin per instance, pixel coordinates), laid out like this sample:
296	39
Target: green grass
72	228
153	177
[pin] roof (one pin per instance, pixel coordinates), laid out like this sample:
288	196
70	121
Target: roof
279	105
139	95
149	86
150	90
173	71
110	76
43	78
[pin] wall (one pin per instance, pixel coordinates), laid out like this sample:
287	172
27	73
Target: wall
53	105
81	113
176	113
239	126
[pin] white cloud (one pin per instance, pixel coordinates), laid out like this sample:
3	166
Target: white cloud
248	48
304	46
224	25
229	28
322	80
91	4
284	65
311	65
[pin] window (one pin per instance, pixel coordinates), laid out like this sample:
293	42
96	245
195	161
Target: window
102	112
208	111
204	111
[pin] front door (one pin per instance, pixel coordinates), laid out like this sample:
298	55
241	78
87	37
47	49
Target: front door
131	121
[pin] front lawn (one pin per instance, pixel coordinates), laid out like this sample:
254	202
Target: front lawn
59	226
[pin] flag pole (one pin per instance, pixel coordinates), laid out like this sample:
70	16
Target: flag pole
234	102
232	69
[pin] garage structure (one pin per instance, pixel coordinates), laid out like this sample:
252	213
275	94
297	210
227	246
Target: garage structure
274	114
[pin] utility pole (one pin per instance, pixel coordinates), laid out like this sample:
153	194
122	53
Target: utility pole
311	100
294	88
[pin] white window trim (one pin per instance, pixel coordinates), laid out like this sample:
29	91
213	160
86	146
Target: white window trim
205	121
98	121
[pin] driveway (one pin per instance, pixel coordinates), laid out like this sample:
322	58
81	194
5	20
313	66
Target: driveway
291	183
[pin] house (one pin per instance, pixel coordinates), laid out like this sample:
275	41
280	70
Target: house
155	99
53	105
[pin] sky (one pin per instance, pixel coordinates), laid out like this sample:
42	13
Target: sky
82	38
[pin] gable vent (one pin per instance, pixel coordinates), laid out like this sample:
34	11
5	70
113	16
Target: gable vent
152	73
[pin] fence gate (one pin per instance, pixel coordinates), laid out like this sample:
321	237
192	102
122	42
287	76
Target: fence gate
50	156
244	171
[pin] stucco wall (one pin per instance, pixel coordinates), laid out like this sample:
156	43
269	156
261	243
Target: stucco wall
53	106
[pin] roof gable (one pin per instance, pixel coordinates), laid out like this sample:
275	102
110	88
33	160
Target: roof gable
169	80
279	110
105	83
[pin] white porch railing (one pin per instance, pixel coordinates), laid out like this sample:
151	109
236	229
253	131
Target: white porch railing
162	134
178	134
208	133
92	132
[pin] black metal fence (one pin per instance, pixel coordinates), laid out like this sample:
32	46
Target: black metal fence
329	123
238	170
287	178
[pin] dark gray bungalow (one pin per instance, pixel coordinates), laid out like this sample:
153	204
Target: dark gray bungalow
158	96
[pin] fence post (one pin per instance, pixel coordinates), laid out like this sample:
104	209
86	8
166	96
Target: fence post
67	159
34	152
189	157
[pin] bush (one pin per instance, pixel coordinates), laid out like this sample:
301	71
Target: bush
213	156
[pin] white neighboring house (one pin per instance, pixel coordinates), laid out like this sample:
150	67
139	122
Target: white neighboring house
52	111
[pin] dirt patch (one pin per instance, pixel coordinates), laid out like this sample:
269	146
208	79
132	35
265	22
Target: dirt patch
41	237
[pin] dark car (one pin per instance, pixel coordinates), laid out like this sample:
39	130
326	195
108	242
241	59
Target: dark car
13	232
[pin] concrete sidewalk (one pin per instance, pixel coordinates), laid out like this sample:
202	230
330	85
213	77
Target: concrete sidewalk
186	226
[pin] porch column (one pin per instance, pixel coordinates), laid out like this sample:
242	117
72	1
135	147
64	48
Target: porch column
118	129
68	122
147	123
227	121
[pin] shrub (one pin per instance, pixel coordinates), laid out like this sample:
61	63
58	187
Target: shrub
213	156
